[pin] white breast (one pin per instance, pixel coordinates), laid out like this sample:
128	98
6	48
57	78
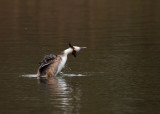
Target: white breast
62	64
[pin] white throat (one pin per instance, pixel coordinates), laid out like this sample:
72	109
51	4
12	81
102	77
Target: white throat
68	51
64	59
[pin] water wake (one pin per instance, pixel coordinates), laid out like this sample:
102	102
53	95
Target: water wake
71	75
61	74
30	75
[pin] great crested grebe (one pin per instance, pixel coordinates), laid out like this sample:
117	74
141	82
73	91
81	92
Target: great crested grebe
51	65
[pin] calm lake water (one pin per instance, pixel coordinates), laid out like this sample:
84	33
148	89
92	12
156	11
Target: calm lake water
119	72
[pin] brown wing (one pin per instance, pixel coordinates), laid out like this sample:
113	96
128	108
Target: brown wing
45	63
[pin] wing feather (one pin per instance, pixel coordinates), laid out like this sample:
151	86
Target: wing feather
44	64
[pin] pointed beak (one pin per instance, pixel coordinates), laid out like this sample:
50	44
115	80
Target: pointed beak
83	47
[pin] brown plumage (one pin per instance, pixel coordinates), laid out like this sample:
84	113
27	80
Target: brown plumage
48	66
51	65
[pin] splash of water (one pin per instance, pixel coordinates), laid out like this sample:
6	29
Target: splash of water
71	75
30	75
61	74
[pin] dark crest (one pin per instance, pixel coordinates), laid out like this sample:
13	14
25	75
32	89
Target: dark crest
70	45
74	53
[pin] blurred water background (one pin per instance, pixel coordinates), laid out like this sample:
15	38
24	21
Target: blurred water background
117	74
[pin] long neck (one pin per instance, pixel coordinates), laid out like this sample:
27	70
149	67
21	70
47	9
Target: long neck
67	51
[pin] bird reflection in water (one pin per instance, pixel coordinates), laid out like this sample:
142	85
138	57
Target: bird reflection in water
61	95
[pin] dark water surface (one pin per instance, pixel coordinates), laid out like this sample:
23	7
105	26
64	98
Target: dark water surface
119	72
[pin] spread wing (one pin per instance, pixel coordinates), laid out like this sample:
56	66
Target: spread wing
48	59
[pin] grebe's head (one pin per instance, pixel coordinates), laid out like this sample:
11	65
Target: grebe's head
75	49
